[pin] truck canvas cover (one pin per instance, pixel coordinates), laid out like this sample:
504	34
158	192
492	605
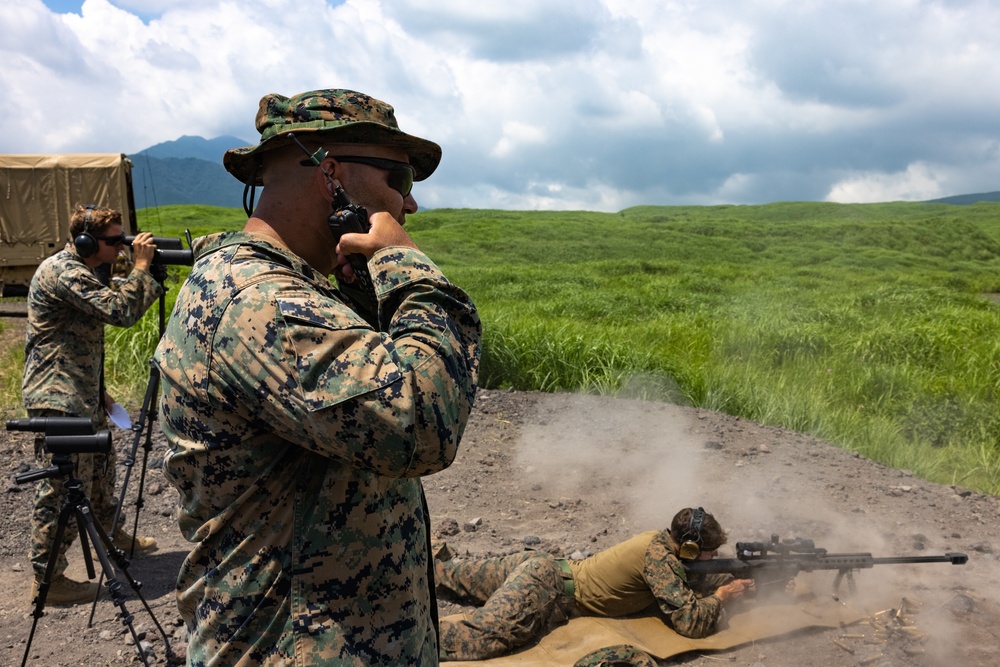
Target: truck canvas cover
37	194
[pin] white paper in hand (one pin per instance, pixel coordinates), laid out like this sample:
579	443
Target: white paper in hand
119	416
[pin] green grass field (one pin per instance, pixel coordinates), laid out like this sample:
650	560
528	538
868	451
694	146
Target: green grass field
868	325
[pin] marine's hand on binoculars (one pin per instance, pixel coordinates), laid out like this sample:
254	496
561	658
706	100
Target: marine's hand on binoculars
143	250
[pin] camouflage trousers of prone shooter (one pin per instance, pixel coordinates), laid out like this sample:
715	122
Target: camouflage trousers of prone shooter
519	597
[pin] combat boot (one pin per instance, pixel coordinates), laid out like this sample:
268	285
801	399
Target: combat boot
143	545
64	591
440	551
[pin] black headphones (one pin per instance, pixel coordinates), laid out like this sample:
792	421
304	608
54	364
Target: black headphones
691	545
86	244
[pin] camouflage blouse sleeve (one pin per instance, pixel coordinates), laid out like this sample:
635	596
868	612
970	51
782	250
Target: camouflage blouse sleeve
122	308
392	402
688	613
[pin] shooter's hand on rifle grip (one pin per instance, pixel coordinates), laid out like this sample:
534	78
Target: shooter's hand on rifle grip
733	590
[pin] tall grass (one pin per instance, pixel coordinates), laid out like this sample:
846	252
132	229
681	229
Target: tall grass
862	324
12	363
127	358
127	355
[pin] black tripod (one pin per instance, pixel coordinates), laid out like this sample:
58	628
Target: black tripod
152	388
147	446
91	533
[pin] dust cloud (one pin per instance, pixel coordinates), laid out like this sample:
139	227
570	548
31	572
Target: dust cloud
655	460
654	457
638	451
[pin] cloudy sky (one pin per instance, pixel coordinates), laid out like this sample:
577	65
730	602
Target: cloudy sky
545	104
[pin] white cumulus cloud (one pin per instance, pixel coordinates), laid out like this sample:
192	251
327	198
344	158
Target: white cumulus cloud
594	104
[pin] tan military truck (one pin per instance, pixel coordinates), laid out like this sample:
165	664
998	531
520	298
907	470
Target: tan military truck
37	194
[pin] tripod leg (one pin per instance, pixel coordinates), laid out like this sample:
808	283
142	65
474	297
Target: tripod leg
140	501
122	568
43	585
101	541
51	495
50	568
91	533
152	389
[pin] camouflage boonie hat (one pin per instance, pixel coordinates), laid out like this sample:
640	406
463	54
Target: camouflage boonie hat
341	116
621	655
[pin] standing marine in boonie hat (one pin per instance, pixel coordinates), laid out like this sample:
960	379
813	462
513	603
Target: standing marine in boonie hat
299	430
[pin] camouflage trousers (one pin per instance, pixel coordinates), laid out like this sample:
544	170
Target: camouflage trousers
520	596
95	471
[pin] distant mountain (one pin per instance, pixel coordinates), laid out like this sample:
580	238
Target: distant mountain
189	171
196	147
186	171
967	199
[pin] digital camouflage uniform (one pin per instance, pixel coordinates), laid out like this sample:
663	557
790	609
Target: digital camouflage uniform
620	655
525	593
297	437
519	597
68	307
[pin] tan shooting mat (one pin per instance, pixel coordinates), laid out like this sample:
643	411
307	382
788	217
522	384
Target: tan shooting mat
570	642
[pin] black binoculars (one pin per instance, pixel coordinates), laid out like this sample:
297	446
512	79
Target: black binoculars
53	425
169	250
66	435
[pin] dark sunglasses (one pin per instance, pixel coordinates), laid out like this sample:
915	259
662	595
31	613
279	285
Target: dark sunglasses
400	176
117	239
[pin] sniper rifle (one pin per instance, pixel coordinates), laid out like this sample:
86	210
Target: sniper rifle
780	560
